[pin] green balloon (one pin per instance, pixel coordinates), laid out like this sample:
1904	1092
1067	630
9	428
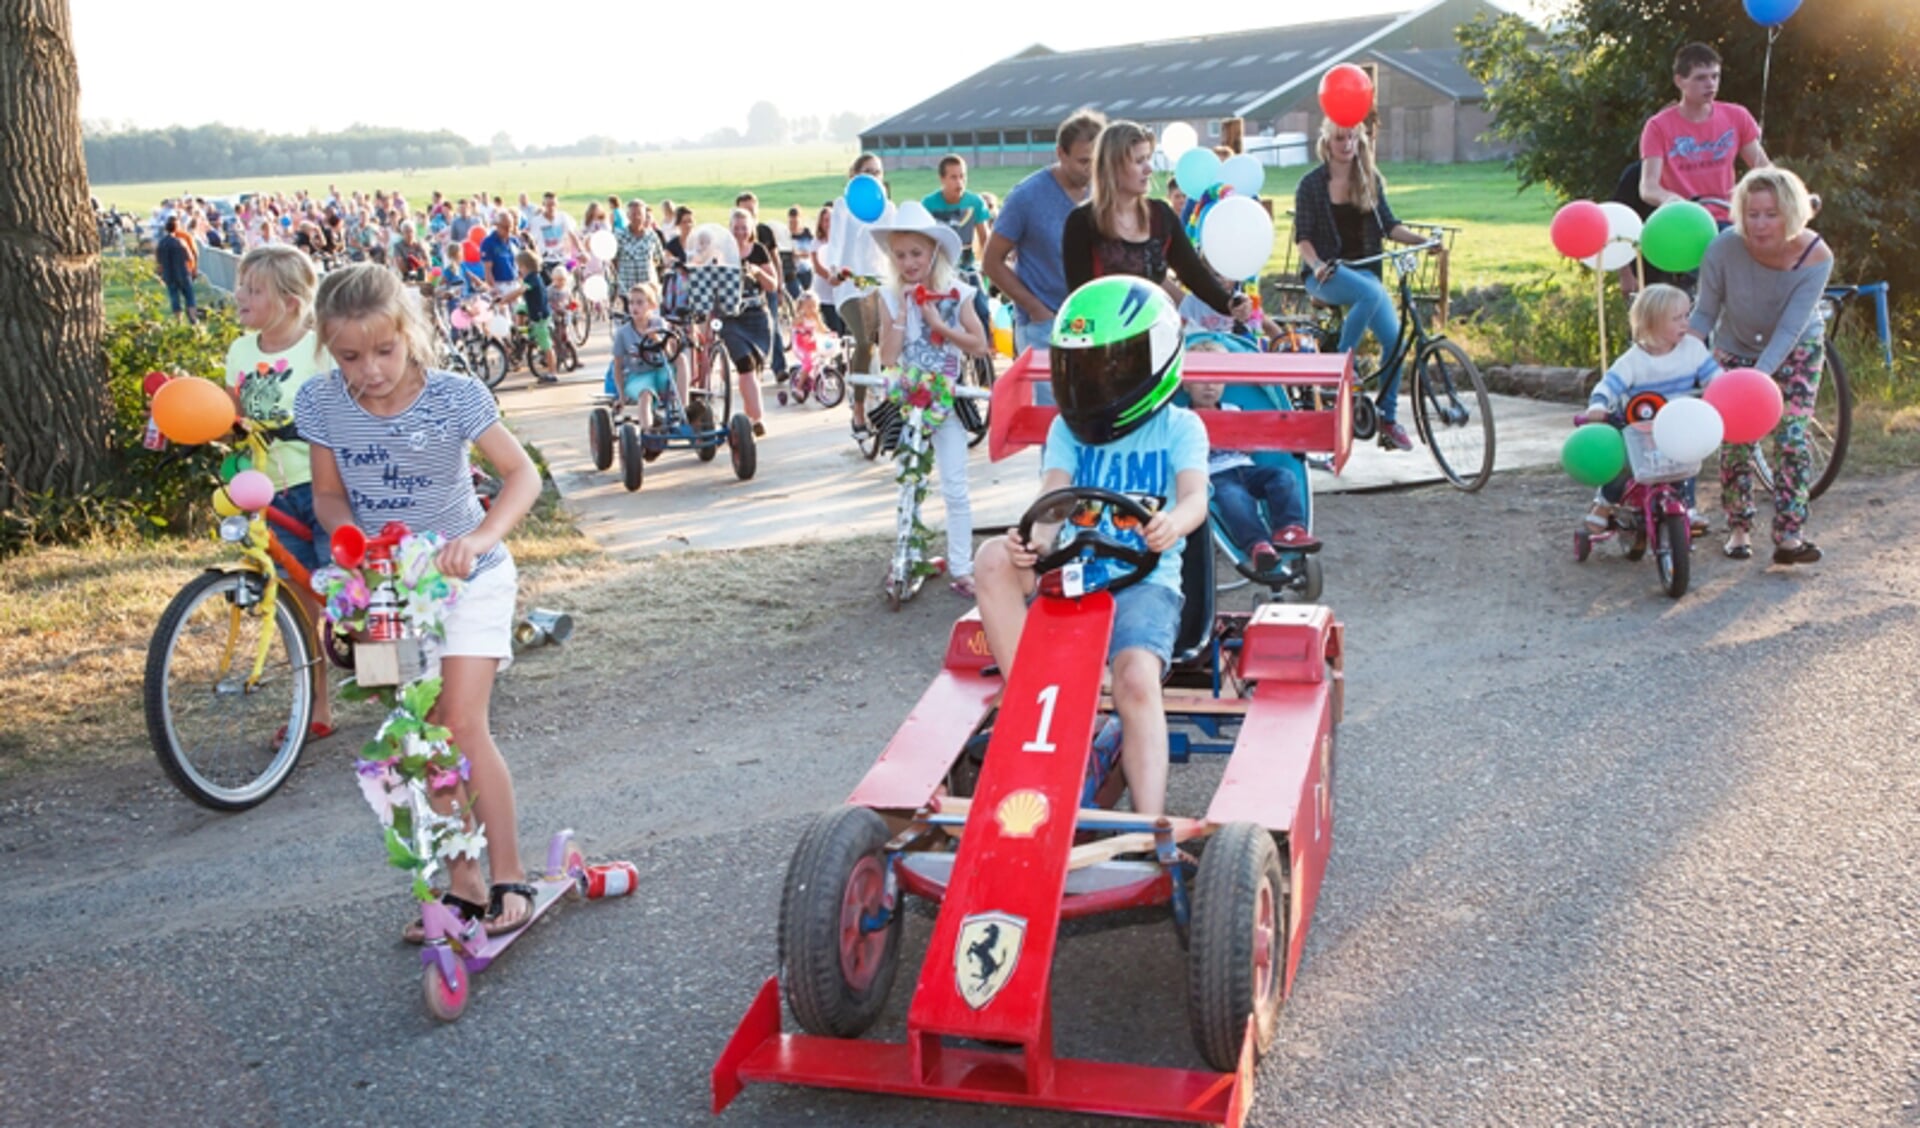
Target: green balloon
1676	235
234	463
1594	454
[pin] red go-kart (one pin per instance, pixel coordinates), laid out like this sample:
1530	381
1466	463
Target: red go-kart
991	801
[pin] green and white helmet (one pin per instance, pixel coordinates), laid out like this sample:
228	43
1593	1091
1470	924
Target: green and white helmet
1117	353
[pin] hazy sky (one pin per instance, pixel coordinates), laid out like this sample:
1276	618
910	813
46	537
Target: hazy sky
553	71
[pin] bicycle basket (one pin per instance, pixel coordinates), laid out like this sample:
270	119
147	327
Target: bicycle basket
713	289
1646	461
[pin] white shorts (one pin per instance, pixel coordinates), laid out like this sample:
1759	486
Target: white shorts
480	623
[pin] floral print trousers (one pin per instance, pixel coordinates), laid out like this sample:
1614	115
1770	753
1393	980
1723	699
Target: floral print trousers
1799	380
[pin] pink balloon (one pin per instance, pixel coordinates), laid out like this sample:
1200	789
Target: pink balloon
460	320
1580	229
1748	401
251	490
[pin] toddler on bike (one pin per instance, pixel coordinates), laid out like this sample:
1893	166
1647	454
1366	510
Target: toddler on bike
1665	361
390	440
930	328
266	368
532	290
640	374
1240	484
1116	355
809	330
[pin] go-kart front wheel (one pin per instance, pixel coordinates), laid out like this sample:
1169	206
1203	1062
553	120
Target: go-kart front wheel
839	942
632	458
600	437
1237	957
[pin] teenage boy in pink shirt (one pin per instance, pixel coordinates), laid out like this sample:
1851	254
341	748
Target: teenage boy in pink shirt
1687	150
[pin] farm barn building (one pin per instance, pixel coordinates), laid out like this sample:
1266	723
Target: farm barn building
1430	108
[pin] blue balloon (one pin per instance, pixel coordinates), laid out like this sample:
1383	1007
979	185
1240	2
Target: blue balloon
1244	174
866	199
1197	170
1771	13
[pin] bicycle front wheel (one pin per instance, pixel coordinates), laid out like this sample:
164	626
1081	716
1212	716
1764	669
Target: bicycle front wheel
580	323
226	739
487	359
1453	414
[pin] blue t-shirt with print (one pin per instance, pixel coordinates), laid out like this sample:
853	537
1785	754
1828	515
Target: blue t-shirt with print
963	215
1033	218
497	255
410	467
1143	465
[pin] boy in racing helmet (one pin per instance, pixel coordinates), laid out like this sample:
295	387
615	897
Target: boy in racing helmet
1116	354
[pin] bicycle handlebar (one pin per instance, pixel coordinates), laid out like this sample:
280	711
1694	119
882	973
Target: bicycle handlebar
1435	241
874	380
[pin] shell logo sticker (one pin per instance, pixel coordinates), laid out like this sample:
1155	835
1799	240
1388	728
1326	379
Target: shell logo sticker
986	954
977	644
1021	813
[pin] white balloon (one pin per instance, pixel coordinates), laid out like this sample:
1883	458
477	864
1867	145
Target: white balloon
1244	174
594	289
1688	429
601	245
499	325
1623	237
1178	138
1237	237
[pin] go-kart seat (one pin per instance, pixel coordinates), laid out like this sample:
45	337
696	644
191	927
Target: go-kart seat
1196	613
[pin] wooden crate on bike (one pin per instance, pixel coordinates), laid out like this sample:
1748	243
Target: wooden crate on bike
377	665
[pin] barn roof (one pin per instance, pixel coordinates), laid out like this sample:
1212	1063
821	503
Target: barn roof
1439	69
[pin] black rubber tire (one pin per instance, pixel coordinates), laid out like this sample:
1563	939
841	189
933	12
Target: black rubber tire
1366	418
964	775
1673	553
813	975
277	762
600	437
1636	547
488	360
579	320
700	418
1444	378
1582	545
740	447
1240	863
830	387
1830	432
633	464
1316	580
536	366
980	374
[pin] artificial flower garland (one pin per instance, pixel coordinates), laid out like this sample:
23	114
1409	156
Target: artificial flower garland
924	400
409	754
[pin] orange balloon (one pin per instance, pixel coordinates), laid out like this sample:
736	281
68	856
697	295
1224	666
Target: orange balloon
192	410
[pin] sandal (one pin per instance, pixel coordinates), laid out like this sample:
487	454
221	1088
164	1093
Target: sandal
416	930
318	730
1738	551
496	905
962	586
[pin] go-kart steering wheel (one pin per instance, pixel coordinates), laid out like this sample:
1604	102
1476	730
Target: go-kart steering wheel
1059	507
663	344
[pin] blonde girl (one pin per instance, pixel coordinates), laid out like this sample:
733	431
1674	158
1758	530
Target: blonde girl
809	329
266	368
929	324
390	440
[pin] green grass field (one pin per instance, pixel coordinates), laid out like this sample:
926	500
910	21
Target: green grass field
1504	236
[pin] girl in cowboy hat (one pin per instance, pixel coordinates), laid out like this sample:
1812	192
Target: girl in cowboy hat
930	326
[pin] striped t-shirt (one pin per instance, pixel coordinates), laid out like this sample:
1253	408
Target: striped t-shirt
411	467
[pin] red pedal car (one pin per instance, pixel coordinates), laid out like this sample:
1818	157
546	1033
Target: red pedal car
989	801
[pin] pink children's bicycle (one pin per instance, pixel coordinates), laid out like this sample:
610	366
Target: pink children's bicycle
821	374
1652	511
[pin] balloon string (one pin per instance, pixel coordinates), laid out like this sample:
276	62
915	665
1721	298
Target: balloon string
1600	309
1766	74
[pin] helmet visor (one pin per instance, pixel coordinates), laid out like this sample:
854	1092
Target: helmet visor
1105	390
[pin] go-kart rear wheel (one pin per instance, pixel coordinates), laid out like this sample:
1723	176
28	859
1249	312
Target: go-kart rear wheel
600	437
633	464
1237	958
1366	418
740	447
964	775
835	968
1314	579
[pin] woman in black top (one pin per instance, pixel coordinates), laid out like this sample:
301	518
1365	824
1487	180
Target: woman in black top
748	334
1340	212
1120	231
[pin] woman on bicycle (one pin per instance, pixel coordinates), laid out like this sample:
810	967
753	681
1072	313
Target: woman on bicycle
1119	230
1340	212
1759	307
748	334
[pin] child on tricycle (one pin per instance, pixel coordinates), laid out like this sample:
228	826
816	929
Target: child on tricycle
1116	357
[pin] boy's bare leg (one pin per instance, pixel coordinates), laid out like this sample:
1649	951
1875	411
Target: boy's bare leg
1143	731
1001	589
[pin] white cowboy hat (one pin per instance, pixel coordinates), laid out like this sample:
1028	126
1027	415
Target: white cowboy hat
913	216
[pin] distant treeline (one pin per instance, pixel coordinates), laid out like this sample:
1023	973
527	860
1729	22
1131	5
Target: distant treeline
211	152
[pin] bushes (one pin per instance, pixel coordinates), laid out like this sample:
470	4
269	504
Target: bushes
144	492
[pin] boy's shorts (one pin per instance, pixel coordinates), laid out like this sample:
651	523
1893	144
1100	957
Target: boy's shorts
480	622
653	380
541	330
297	503
1146	616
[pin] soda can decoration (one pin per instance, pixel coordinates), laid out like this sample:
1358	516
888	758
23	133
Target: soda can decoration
615	879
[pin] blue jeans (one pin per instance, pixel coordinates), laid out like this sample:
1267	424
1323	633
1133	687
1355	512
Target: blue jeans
1237	493
1146	616
180	296
1369	307
297	503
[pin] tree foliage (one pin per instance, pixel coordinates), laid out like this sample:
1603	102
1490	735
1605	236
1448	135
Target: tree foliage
209	152
1842	105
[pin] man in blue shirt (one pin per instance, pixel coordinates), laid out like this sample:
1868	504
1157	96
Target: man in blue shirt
496	253
1032	219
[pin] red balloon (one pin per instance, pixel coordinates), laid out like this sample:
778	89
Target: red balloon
1580	229
1346	95
1749	403
470	252
154	382
476	234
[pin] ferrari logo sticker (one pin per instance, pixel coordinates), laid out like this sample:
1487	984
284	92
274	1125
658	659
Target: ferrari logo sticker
988	951
1021	813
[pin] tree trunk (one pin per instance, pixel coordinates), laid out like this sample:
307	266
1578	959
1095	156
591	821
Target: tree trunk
55	407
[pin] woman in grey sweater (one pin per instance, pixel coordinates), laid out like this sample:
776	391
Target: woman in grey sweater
1760	287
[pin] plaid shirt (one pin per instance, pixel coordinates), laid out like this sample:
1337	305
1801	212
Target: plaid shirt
639	258
1313	221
